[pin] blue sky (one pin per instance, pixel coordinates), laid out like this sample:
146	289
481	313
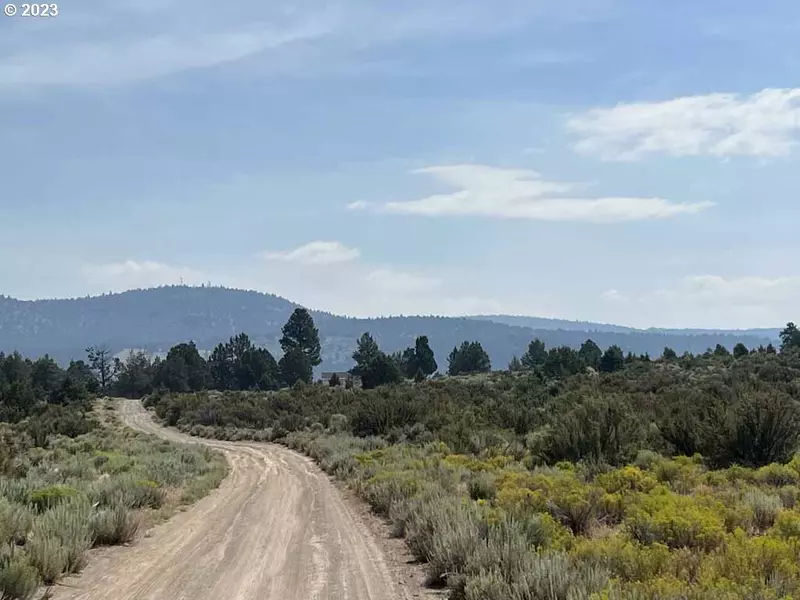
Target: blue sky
625	161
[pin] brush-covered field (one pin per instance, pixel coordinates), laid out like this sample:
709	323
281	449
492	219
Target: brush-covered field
61	498
490	527
670	479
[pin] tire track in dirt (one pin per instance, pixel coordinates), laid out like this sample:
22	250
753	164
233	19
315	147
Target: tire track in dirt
275	529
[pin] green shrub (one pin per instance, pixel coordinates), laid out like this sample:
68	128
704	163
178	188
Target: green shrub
387	488
337	423
675	521
777	475
15	522
787	525
765	429
18	578
378	415
481	486
113	526
596	429
545	577
127	491
44	498
59	540
765	508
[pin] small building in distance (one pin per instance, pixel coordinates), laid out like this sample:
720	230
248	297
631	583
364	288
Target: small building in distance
343	377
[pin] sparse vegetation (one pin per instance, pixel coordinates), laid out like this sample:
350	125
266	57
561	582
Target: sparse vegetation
670	479
72	478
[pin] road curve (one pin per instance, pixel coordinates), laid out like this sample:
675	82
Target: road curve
275	529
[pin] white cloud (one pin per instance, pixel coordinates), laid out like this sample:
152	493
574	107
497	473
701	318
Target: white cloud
359	287
613	295
708	301
520	194
765	124
135	274
316	253
393	280
358	205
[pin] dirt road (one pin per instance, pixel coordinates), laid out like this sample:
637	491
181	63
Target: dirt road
276	529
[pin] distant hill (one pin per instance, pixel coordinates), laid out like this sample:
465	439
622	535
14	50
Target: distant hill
544	323
156	319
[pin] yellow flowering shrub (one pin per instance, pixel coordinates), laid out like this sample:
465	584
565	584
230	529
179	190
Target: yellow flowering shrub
676	521
626	479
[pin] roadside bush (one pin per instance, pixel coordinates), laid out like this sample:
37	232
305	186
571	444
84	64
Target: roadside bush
113	526
48	497
378	415
59	540
18	577
15	522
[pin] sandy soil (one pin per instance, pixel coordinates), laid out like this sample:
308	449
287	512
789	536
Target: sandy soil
276	528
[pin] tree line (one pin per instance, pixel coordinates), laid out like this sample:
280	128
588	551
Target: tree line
239	364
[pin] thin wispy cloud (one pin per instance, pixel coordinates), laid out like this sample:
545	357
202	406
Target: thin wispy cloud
492	192
765	124
128	274
110	63
112	43
709	301
316	253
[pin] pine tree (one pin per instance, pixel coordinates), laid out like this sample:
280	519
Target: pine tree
613	359
590	354
299	332
301	348
790	337
366	351
535	356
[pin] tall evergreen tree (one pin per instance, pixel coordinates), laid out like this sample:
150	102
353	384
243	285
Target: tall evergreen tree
469	358
790	337
562	361
721	350
613	359
424	358
134	375
183	370
381	370
535	356
590	354
295	366
240	365
301	334
366	351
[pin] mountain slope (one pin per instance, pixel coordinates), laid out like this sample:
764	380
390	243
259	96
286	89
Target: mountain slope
545	323
156	319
